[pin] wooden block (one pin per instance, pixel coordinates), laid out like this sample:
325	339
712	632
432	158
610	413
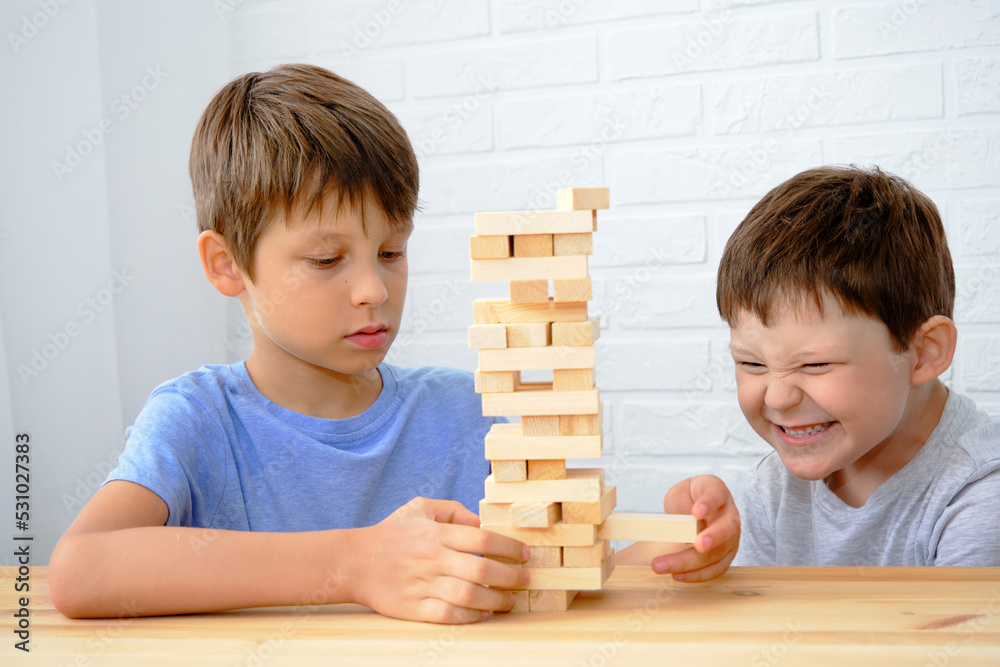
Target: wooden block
535	515
572	379
539	425
576	334
506	441
489	247
494	512
487	336
576	199
497	382
557	535
547	469
593	513
533	222
509	471
529	291
564	245
533	245
492	311
579	578
582	485
529	268
532	399
546	557
528	334
582	424
592	556
536	358
550	600
572	290
649	527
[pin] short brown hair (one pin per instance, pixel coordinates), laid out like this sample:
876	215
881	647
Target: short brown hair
290	137
867	237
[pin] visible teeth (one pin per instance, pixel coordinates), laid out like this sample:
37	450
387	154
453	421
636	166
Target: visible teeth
803	432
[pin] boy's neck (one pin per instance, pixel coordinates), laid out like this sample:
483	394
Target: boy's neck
856	483
311	391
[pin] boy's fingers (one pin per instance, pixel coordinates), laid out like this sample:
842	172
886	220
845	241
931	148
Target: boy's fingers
434	610
475	541
447	511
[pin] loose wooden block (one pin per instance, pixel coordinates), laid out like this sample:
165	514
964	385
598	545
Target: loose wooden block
492	311
546	557
546	469
539	425
576	334
649	527
564	245
494	512
572	379
529	291
575	199
572	290
529	268
487	336
535	515
536	358
533	222
532	399
533	245
582	485
550	600
579	578
557	535
506	441
489	247
593	513
497	382
509	471
592	556
582	424
528	334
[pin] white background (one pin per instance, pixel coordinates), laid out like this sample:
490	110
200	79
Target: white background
688	110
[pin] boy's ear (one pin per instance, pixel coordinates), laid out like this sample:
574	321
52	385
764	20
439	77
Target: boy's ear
934	344
219	266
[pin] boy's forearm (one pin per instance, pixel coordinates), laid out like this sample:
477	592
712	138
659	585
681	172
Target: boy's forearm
157	570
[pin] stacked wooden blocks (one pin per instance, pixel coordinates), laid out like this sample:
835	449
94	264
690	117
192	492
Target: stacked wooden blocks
531	495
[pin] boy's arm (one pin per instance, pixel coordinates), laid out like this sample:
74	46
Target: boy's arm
708	499
118	559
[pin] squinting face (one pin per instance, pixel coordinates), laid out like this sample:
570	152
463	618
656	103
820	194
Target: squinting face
824	391
324	294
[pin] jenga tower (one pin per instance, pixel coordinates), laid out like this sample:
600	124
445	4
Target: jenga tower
565	515
531	496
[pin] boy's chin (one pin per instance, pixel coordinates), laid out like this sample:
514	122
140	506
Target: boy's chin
806	471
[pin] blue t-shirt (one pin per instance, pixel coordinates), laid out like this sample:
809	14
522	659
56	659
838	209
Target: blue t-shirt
221	455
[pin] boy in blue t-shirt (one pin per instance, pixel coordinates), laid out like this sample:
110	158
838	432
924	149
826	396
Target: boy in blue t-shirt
301	474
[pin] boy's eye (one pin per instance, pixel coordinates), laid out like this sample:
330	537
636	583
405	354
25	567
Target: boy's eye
751	366
324	262
817	367
392	255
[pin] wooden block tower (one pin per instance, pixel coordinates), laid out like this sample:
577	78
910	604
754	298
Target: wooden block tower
563	514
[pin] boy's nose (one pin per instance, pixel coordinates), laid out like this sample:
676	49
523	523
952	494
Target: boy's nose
369	288
782	394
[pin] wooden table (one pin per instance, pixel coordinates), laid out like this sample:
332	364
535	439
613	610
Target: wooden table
752	616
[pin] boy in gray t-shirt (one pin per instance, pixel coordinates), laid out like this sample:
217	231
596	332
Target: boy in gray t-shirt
838	289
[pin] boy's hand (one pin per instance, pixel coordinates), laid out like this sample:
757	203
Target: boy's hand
709	500
420	563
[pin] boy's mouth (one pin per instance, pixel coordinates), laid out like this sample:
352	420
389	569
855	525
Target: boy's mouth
370	337
805	431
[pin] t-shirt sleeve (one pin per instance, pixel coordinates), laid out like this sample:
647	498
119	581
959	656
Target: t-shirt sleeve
970	534
757	537
172	450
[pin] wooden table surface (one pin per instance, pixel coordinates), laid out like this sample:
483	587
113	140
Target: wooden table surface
751	616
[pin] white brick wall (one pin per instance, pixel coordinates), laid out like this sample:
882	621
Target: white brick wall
689	111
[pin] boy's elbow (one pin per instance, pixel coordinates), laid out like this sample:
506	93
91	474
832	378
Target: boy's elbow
67	583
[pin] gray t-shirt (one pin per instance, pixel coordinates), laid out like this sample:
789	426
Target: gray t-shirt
942	508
